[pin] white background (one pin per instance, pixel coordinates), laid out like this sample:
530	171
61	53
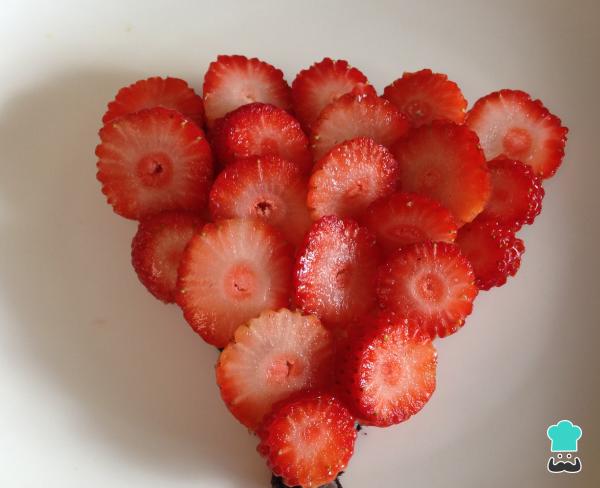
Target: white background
102	386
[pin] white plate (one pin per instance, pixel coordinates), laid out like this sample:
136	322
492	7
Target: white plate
101	385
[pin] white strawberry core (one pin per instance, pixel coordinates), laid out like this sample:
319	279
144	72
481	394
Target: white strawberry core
284	368
264	208
406	233
155	170
240	281
517	142
430	287
417	110
392	372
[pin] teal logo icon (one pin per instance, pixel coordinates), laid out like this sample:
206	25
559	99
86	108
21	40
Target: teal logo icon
564	436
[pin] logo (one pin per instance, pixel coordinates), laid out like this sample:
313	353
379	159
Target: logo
563	445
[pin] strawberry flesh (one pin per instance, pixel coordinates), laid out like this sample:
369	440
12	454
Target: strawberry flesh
407	218
154	160
259	129
517	194
233	81
308	439
321	84
265	187
350	177
493	250
430	283
335	271
443	161
271	357
386	370
171	93
230	272
157	248
425	96
360	113
510	123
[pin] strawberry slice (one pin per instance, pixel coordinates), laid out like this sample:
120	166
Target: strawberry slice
308	439
157	248
360	113
335	271
517	194
493	250
510	123
154	160
258	129
443	161
233	81
407	218
271	357
424	96
171	93
386	370
265	187
230	273
324	82
431	283
350	177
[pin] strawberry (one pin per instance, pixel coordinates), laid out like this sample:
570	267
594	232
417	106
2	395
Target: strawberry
443	161
351	176
401	219
171	93
517	194
233	81
335	271
308	439
386	371
324	82
493	250
230	272
510	123
430	283
265	187
272	356
258	129
360	113
154	160
157	247
424	96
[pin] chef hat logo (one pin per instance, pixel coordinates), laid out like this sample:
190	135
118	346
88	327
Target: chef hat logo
564	436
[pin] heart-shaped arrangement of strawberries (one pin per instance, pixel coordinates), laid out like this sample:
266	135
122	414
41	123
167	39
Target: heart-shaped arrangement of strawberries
323	236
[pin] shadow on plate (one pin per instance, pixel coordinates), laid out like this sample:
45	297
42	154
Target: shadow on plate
141	383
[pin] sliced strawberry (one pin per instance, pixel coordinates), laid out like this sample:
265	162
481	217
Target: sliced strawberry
350	177
360	113
171	93
443	161
259	129
157	248
324	82
431	283
230	273
424	96
308	439
407	218
265	187
154	160
386	371
493	250
510	123
335	271
271	357
517	194
233	81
